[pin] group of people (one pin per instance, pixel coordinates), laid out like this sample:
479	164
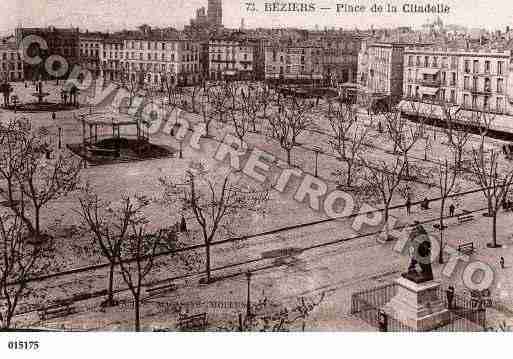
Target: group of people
425	205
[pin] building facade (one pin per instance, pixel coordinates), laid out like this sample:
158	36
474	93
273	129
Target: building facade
472	79
11	65
90	48
60	41
231	56
339	57
156	56
293	61
381	69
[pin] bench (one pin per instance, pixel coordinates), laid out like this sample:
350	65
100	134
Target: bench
56	312
466	248
465	218
192	322
161	288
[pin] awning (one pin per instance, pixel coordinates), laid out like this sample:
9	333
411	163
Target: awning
430	71
431	91
428	110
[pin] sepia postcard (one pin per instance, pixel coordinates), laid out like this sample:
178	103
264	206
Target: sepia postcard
255	166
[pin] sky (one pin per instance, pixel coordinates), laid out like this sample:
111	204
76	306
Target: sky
114	15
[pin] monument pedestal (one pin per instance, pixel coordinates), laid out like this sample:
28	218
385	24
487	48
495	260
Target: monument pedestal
418	306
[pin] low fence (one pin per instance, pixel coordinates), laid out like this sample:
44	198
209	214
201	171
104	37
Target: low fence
464	314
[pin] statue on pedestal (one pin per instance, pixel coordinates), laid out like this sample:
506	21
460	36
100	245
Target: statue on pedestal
419	270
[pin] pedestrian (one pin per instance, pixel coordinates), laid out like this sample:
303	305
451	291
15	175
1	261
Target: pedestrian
183	225
450	296
451	209
425	203
408	206
502	262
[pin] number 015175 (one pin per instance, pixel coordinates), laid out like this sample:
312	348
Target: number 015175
23	345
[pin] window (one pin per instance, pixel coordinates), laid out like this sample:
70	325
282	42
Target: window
500	104
467	66
466	100
426	61
487	86
500	85
500	65
435	61
486	102
466	83
487	66
475	66
453	96
410	60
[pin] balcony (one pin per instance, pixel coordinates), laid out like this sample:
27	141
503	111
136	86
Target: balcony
476	91
431	83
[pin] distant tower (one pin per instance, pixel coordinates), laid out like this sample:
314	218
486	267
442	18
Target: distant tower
242	24
215	12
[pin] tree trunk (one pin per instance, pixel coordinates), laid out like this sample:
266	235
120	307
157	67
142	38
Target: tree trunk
289	159
385	214
494	229
207	261
349	174
137	313
440	256
37	216
110	298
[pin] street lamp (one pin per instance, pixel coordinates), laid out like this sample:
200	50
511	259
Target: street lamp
316	150
248	298
60	140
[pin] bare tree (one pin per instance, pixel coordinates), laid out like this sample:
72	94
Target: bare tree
404	134
342	118
383	180
494	185
292	119
219	97
250	104
19	262
266	98
136	261
41	179
132	81
10	159
172	91
193	92
27	168
236	113
447	177
458	134
109	225
218	206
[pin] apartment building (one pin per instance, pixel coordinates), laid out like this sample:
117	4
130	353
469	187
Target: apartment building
473	79
150	55
381	69
339	56
90	48
11	65
293	61
231	56
60	41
